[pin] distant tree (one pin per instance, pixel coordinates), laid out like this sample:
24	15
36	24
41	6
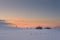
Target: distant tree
47	28
39	27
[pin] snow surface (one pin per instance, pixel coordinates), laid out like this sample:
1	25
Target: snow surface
29	34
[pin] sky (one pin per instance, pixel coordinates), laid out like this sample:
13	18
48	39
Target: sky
31	13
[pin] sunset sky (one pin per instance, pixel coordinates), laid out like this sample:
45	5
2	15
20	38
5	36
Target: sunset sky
31	13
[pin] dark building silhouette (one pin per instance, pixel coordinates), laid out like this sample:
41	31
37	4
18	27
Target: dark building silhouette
39	27
47	28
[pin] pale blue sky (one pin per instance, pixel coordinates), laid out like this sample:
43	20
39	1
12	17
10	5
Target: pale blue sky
48	10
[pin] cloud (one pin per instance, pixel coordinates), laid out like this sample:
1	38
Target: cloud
3	23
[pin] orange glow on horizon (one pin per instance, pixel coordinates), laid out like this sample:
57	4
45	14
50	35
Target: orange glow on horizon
25	23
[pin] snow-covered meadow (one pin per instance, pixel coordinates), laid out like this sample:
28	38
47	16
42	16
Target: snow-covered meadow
29	34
